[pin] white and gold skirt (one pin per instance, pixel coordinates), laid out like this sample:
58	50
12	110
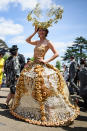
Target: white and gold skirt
42	97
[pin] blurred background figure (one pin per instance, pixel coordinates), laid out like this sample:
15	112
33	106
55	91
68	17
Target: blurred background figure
28	61
72	74
12	70
76	80
21	61
66	74
1	67
83	81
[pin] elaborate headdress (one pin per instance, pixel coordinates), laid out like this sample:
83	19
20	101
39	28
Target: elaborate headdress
54	14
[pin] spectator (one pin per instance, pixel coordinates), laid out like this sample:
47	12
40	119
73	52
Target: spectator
12	70
1	67
28	61
83	81
72	75
66	74
21	61
76	80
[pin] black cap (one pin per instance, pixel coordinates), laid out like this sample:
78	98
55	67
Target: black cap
28	59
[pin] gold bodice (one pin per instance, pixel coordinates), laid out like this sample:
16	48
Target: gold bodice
40	50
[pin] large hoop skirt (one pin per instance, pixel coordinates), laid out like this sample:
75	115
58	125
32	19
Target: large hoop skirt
42	97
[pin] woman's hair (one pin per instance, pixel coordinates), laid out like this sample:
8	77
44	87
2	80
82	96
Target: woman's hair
44	29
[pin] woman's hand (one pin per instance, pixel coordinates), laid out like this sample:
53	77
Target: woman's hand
36	28
41	60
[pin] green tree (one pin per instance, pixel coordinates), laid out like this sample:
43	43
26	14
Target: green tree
3	44
6	56
81	44
58	65
78	50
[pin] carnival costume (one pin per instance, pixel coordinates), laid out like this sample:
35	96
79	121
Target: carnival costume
42	97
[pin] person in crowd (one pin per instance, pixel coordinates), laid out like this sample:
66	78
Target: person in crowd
76	80
12	69
1	67
28	61
42	96
66	73
83	81
72	75
21	61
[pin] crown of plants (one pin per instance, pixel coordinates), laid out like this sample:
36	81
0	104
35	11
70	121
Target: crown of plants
53	15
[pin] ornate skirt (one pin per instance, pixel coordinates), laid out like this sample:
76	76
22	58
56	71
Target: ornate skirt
42	97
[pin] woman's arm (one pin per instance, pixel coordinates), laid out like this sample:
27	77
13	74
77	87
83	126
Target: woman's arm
54	51
30	37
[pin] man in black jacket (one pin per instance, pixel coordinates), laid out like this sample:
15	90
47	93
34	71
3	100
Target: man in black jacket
72	75
83	81
13	66
21	61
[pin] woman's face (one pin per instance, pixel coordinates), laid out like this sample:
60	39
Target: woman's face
41	33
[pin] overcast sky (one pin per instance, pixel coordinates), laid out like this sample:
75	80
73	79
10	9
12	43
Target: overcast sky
14	27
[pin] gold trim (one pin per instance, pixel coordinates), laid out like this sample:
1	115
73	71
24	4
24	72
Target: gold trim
48	123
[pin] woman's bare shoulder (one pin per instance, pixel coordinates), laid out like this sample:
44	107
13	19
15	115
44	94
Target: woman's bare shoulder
36	42
49	42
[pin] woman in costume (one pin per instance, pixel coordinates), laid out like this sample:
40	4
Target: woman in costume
1	67
42	96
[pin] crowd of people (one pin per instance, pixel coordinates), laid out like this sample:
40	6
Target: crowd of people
76	78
